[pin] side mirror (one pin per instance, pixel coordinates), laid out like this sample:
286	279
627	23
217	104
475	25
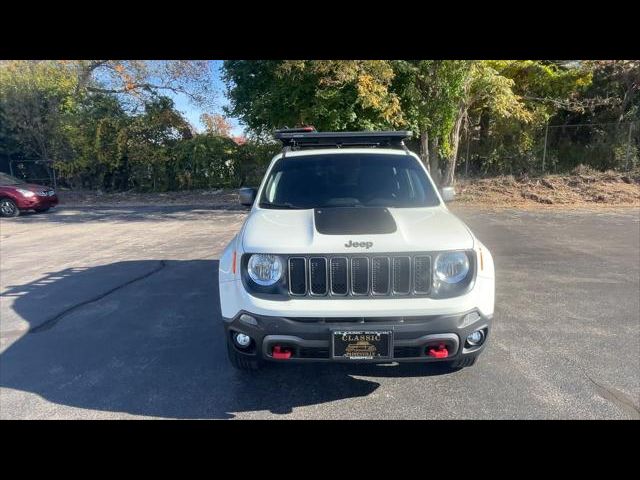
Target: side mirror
448	194
247	196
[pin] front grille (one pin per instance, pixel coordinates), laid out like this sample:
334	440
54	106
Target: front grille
360	276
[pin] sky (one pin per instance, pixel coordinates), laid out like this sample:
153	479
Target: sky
192	113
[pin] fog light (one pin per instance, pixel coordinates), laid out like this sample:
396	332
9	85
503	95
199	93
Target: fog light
242	340
476	338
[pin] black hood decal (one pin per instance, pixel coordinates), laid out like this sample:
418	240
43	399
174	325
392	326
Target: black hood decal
354	220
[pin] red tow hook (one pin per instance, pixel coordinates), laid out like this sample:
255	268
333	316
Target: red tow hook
280	353
440	352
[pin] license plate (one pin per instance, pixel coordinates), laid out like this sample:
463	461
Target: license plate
362	344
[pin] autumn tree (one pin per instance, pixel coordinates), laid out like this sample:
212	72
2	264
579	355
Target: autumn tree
136	81
329	94
216	124
515	99
431	92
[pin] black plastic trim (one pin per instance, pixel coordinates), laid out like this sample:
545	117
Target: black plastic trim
353	221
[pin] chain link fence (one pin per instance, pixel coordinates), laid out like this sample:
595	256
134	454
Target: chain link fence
40	172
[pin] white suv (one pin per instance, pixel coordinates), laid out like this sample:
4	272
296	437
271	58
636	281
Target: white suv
350	254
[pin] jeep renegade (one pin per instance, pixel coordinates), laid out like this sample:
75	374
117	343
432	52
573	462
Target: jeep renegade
350	254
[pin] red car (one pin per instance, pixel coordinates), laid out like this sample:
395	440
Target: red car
16	195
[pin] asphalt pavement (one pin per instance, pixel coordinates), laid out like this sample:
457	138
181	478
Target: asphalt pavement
114	313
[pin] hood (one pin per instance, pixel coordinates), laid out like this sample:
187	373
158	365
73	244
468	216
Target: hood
295	231
36	188
32	187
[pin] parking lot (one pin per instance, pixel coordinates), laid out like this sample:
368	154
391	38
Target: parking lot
113	313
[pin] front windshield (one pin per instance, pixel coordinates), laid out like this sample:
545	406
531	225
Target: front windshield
9	180
348	180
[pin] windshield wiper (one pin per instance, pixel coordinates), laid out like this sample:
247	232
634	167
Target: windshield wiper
284	205
342	205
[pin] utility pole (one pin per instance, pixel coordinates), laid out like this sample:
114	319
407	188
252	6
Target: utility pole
629	145
544	152
466	163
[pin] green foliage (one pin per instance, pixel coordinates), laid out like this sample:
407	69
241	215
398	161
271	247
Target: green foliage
329	94
107	126
36	100
204	161
431	92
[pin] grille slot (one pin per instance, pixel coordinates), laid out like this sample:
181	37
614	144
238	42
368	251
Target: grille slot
422	274
380	275
401	275
318	276
339	281
297	276
360	275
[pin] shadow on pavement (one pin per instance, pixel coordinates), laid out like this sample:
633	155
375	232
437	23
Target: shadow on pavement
70	214
145	338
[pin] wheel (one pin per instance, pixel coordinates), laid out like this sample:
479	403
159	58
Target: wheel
42	210
462	362
240	361
8	208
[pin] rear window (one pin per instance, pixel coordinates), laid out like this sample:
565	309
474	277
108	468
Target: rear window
349	180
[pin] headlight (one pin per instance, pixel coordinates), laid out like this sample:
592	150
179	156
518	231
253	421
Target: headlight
451	267
26	193
264	270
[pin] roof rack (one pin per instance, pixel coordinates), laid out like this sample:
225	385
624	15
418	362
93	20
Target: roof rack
296	139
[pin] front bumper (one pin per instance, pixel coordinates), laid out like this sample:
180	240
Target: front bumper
37	202
309	339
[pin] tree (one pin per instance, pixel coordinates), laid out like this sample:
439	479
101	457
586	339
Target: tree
137	81
514	101
36	99
484	88
438	97
616	86
148	142
329	94
216	124
431	92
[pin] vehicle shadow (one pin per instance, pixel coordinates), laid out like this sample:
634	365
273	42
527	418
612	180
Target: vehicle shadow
137	213
145	338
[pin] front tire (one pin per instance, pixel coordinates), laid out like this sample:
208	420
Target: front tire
8	208
240	361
